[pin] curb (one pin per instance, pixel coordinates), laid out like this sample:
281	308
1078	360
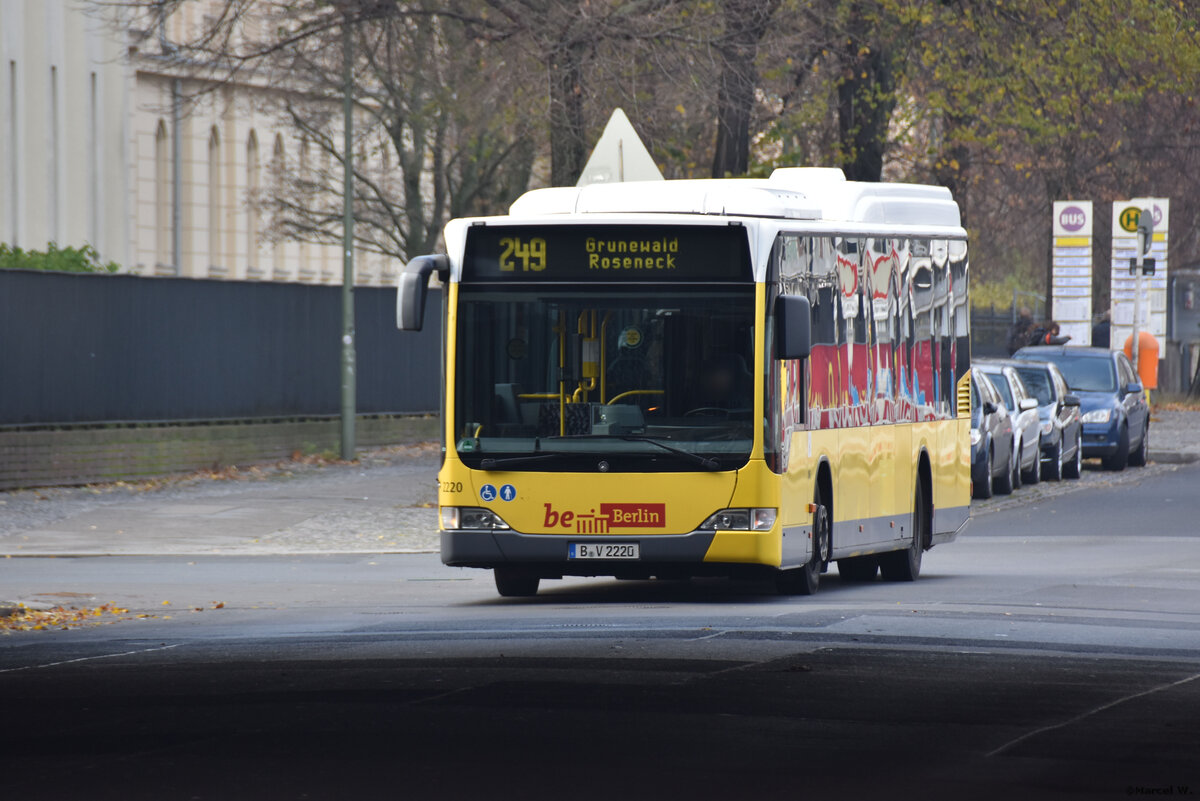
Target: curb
1174	457
11	608
183	552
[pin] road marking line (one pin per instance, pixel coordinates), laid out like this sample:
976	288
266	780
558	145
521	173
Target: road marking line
439	696
709	636
88	658
1090	713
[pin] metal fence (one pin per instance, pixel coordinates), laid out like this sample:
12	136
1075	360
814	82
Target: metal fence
95	348
989	331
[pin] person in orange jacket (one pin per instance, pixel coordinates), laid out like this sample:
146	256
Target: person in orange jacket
1048	334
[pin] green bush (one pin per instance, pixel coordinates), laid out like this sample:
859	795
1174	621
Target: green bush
55	259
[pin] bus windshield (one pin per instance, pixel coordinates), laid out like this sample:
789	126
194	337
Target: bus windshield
609	378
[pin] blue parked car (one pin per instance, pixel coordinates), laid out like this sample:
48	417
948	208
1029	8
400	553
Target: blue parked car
1116	417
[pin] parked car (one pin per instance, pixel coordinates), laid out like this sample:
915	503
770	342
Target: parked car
1023	409
1059	417
992	455
1115	415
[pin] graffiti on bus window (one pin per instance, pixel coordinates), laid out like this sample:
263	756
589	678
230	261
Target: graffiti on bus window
889	334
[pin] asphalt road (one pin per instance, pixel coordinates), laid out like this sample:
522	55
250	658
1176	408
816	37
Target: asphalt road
1052	652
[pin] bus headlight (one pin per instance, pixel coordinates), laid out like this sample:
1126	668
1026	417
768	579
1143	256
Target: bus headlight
1097	416
759	519
471	518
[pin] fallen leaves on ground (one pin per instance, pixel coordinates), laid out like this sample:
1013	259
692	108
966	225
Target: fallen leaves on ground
60	617
1189	405
215	605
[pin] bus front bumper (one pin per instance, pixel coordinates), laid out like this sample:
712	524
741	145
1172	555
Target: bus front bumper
548	553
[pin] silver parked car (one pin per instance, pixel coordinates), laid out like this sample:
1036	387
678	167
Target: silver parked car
1058	408
1023	408
992	455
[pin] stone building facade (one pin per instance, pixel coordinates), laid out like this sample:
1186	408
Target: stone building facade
108	138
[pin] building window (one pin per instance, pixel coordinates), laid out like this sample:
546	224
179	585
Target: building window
215	254
306	272
94	163
55	158
278	174
14	158
327	252
252	214
162	196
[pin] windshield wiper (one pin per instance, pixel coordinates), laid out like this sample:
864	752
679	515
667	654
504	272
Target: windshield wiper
707	462
492	464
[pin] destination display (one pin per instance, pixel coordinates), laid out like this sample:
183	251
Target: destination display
606	253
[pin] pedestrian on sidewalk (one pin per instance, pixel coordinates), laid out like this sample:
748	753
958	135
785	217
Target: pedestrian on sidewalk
1102	331
1019	332
1048	333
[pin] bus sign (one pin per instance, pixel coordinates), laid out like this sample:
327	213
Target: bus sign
628	253
1128	219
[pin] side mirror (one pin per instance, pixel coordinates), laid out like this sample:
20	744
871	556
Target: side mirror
1070	400
1027	404
989	407
414	286
1133	389
793	327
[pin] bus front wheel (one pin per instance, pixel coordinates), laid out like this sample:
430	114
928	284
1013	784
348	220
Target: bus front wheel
805	580
513	583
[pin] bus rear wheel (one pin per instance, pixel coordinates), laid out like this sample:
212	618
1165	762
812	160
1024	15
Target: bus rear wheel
805	580
905	565
858	568
513	583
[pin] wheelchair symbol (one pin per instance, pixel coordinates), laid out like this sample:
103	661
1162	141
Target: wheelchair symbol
487	492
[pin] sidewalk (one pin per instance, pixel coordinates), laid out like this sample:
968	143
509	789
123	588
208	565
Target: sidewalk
1175	437
385	504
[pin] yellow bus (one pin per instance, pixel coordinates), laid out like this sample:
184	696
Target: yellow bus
743	377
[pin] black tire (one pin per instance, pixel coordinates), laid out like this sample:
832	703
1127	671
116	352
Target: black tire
1139	457
805	580
1034	474
906	565
1121	458
1004	484
1054	465
1074	468
513	583
984	489
858	568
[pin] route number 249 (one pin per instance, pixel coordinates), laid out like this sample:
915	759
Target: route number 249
531	255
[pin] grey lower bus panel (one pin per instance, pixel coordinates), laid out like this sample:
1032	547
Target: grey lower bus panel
490	548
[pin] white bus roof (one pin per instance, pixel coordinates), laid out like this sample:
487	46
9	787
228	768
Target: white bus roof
817	194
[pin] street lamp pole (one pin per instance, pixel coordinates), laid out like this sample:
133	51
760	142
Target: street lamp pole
349	379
